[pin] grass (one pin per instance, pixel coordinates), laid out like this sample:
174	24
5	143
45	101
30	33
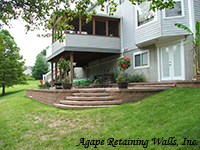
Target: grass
26	124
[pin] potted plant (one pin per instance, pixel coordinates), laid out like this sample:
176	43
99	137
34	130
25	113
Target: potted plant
123	64
66	83
63	67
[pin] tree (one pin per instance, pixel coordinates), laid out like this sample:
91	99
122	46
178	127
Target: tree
48	13
11	64
40	67
195	42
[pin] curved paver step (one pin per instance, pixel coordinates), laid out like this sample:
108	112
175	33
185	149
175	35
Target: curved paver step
91	103
91	94
72	98
80	107
100	90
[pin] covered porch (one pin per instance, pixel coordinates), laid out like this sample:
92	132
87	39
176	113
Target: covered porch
77	59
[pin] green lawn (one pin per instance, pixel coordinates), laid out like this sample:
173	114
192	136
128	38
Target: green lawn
28	124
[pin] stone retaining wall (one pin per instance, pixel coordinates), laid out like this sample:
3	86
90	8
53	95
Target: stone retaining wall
52	96
48	96
130	95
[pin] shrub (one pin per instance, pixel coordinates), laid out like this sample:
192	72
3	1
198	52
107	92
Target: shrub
115	75
136	78
45	85
66	80
85	82
121	78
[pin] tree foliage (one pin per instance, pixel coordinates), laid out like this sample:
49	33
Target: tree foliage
11	64
46	14
43	52
40	67
195	42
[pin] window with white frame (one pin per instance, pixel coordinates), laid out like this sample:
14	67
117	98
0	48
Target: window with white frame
145	15
121	1
141	59
176	11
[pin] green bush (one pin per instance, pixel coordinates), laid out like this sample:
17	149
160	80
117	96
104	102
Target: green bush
121	78
115	75
136	78
84	82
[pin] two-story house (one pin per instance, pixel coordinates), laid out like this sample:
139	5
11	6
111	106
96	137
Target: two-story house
151	40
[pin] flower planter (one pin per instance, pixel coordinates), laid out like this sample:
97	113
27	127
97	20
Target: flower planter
67	85
58	84
122	84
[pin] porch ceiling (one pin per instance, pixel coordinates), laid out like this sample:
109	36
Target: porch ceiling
82	58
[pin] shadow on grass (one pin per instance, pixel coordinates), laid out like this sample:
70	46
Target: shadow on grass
10	93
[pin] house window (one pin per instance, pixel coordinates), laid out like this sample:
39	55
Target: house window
100	26
75	25
176	11
86	28
121	1
144	15
141	59
113	28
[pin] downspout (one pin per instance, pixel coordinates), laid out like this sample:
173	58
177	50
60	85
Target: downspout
121	37
192	24
191	15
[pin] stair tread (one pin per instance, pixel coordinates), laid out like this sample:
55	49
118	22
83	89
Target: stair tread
100	90
68	102
91	94
90	98
80	107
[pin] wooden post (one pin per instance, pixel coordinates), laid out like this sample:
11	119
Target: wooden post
93	26
56	71
72	67
106	27
80	25
52	71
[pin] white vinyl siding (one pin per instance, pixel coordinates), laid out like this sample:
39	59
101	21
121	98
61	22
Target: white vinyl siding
168	27
197	10
127	25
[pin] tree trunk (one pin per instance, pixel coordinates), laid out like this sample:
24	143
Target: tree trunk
195	64
65	75
3	90
60	75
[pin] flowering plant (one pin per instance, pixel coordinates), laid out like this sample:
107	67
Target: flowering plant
44	84
63	64
123	64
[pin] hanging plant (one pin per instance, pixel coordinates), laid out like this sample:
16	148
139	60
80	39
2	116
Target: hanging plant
123	64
